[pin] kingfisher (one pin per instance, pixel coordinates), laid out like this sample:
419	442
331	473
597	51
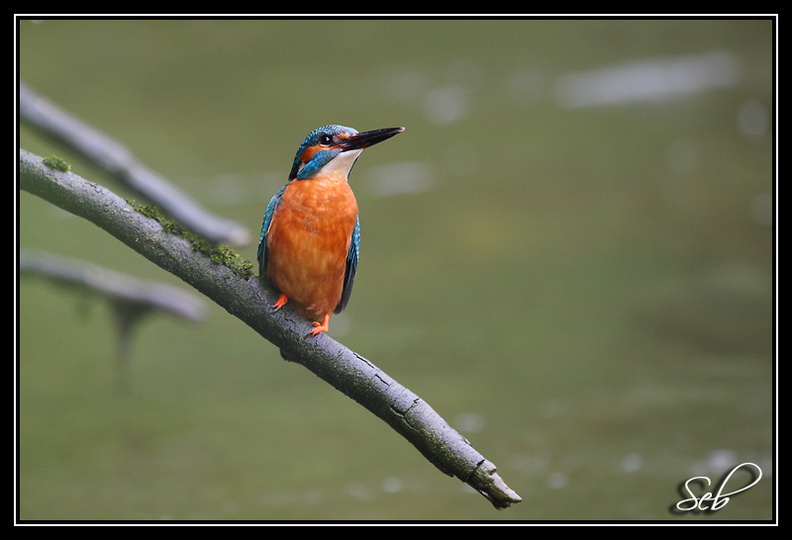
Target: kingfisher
310	236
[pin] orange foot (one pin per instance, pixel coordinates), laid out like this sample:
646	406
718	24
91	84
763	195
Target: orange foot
320	327
282	299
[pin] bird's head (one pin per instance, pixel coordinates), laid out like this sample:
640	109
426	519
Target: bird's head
335	149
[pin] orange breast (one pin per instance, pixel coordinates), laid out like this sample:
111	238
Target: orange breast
308	241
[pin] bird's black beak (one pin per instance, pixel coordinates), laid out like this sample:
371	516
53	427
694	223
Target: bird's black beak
368	138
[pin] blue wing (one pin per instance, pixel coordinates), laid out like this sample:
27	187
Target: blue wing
351	267
262	247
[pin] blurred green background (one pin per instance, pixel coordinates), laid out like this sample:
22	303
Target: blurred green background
568	254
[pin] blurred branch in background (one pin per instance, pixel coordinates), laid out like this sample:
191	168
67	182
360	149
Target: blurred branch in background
247	298
56	124
148	295
130	298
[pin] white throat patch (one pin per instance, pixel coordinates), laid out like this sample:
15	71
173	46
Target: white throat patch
342	163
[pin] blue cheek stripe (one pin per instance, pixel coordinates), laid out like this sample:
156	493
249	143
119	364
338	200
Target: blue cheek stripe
319	160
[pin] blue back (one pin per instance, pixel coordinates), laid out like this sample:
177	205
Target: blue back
351	267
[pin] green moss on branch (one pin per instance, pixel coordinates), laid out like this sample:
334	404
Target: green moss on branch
217	253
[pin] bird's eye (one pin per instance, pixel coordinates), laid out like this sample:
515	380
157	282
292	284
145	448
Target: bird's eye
325	140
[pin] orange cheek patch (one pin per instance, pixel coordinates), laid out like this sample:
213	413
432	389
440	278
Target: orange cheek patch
309	152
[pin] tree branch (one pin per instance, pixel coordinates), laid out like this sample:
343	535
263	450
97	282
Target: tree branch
115	159
117	287
130	299
248	299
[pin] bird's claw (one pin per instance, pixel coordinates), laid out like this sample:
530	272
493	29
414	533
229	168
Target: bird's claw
282	299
